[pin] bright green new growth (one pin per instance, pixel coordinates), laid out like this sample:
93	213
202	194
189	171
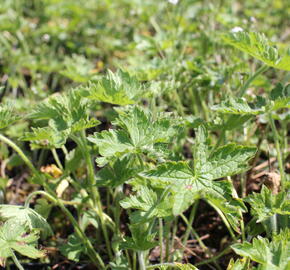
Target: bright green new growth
237	106
272	255
149	203
116	88
66	114
265	204
140	133
279	98
258	46
7	116
141	238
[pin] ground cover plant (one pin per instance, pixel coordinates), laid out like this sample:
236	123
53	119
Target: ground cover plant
144	134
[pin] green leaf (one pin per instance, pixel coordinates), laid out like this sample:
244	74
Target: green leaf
186	188
26	217
141	238
116	88
265	204
77	68
112	142
237	106
116	174
7	116
238	265
43	207
280	97
14	237
45	138
227	160
149	203
187	185
258	46
66	114
140	133
271	255
73	248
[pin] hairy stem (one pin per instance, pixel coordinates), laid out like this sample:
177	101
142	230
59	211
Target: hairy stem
278	149
95	192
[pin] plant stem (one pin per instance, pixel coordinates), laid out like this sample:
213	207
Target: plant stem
22	155
141	259
39	192
161	239
94	256
215	257
94	190
278	149
15	260
167	249
56	158
224	220
134	261
189	225
273	224
90	167
245	86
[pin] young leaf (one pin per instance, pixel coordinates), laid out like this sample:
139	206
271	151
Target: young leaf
149	203
239	265
139	133
73	248
7	116
237	106
66	114
141	238
117	174
270	255
45	138
116	88
280	97
265	204
26	217
14	237
258	46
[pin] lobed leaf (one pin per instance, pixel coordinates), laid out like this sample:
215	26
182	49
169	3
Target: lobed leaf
26	217
258	46
14	237
265	204
237	106
116	88
226	161
270	255
140	133
7	116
